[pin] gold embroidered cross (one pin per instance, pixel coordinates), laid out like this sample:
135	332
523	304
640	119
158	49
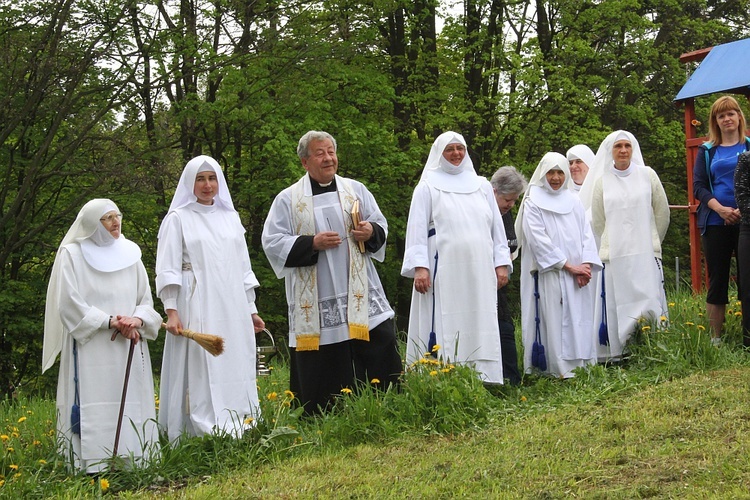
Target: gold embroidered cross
359	296
307	306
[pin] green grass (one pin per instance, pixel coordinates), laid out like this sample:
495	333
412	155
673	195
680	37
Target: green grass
671	421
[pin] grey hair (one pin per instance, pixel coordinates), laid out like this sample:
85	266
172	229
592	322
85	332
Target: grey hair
508	180
312	135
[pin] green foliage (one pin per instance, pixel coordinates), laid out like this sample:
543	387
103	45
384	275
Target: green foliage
101	99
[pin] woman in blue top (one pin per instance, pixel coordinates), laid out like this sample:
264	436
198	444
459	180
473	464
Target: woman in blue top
718	216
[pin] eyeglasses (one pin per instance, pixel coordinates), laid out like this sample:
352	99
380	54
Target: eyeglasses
110	218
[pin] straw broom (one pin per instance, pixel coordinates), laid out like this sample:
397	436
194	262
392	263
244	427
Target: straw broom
211	343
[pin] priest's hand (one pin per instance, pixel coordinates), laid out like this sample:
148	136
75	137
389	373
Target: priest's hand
258	324
174	325
363	232
422	279
325	240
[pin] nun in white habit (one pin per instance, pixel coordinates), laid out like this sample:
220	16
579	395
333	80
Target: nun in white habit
99	287
204	279
457	253
558	248
580	159
630	217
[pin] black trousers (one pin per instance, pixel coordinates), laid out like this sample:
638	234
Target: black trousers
743	263
317	377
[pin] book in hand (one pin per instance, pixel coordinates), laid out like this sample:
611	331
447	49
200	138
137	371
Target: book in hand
356	218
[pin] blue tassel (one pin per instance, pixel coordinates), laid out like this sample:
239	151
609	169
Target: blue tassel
603	330
538	358
431	344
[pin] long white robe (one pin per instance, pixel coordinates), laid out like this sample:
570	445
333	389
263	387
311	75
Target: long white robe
202	249
630	215
566	311
279	236
87	299
471	241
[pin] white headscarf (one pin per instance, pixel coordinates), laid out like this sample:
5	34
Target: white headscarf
184	194
539	191
604	159
100	250
445	176
581	152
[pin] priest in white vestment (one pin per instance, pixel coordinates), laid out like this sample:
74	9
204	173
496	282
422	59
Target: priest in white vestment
630	217
341	333
206	283
457	253
558	255
99	287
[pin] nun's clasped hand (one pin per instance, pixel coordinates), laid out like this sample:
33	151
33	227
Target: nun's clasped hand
581	272
127	326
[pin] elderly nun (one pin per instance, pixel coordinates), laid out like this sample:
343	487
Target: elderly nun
558	254
98	301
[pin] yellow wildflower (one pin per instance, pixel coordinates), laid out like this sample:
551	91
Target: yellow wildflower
423	361
29	412
445	370
375	381
272	396
37	442
689	323
433	373
346	390
523	398
13	467
11	449
22	419
671	304
16	475
42	461
4	437
104	484
738	313
662	318
436	348
249	420
91	481
701	327
645	328
289	394
2	483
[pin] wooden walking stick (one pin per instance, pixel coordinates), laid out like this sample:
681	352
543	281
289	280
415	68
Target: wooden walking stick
124	394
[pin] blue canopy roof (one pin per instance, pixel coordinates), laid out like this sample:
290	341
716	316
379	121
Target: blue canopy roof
725	69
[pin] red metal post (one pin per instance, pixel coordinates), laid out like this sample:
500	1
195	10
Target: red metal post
691	147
